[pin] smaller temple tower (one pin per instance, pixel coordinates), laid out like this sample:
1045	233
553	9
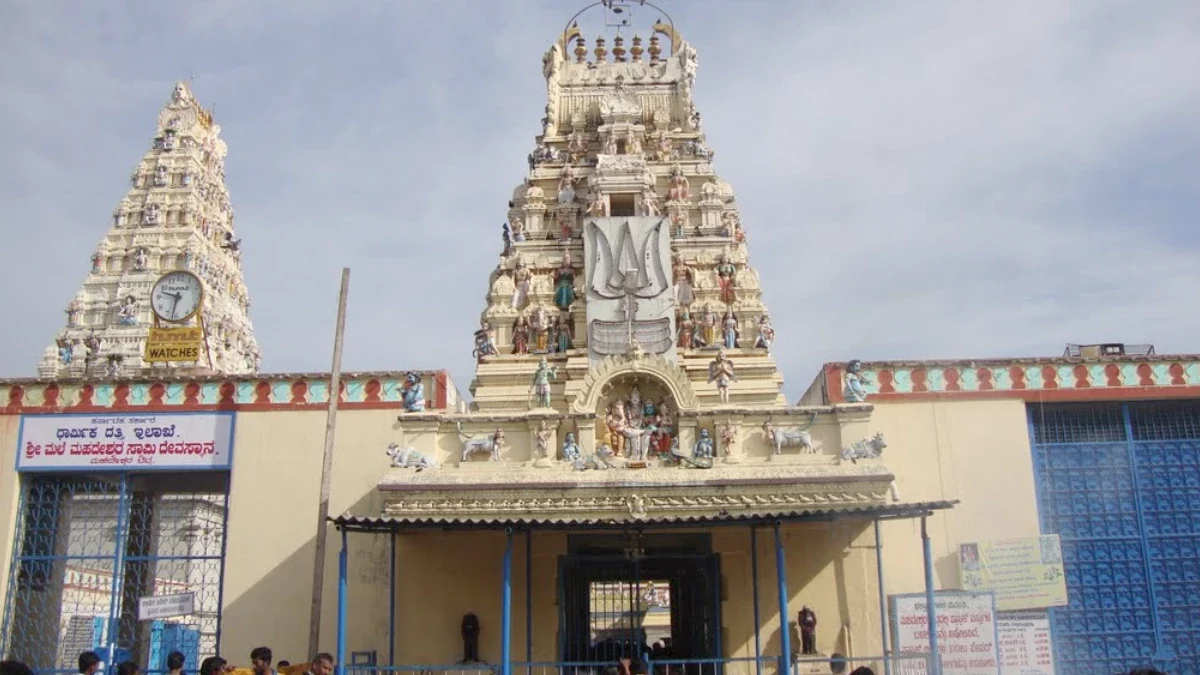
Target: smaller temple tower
176	216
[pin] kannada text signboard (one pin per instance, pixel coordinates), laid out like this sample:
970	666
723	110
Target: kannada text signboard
1025	643
966	630
126	442
1023	573
166	606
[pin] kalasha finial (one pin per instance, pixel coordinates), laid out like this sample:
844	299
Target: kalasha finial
618	49
580	50
601	52
637	50
655	50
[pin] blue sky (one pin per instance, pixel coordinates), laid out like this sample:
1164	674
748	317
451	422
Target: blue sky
917	180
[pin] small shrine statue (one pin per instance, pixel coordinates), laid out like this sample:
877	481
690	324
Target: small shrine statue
470	636
633	411
127	314
114	366
721	372
570	449
855	390
413	394
96	260
139	260
562	334
73	311
506	236
766	334
726	278
703	447
729	436
485	341
577	146
679	191
660	438
731	226
711	336
566	186
633	143
541	438
564	283
662	146
93	344
682	274
520	335
649	202
541	325
807	620
595	205
610	144
614	421
730	330
521	280
541	384
708	191
686	331
517	227
566	222
66	351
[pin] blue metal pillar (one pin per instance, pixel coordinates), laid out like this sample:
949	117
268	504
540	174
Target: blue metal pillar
754	585
785	631
930	607
118	574
392	606
343	600
529	600
883	610
506	608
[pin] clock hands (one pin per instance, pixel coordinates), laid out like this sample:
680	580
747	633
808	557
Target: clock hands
175	304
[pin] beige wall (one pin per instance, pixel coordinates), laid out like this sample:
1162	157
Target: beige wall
974	451
10	498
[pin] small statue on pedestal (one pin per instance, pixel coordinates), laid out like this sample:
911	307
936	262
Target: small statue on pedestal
413	393
807	620
470	636
541	384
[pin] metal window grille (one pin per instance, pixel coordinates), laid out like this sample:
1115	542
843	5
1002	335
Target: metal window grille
89	549
1120	485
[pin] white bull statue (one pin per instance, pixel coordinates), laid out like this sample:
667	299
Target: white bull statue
781	438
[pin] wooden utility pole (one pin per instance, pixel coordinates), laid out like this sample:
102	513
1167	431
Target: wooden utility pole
335	385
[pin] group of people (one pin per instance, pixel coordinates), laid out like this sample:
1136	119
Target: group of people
260	662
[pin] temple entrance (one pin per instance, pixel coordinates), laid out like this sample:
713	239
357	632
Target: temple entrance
625	596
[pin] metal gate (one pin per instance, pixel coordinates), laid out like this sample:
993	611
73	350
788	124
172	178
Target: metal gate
89	549
1120	484
660	601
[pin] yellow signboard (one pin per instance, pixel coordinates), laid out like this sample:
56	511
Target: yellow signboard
1023	573
174	344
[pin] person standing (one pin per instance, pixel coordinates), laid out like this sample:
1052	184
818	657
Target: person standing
260	661
808	630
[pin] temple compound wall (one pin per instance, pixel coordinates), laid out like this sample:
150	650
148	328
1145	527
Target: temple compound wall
973	447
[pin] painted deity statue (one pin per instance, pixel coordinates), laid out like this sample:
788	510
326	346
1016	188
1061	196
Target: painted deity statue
662	146
595	205
649	203
517	227
542	437
564	283
563	341
127	314
855	390
711	329
721	372
541	325
577	146
686	330
726	279
731	226
139	260
533	193
660	439
520	335
615	422
703	447
541	383
413	394
485	341
766	334
66	351
570	449
633	410
93	343
521	280
73	311
610	144
680	190
730	330
566	186
683	276
633	143
729	436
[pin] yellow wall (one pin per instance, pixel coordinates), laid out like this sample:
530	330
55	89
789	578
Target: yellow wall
974	451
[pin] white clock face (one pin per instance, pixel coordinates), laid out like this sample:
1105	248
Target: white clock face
176	296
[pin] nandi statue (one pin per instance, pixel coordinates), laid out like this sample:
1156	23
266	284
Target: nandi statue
781	438
867	448
490	443
407	458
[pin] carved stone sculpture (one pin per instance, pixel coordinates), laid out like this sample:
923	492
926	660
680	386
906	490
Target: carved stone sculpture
407	458
854	383
729	330
485	342
127	314
520	335
868	448
413	394
729	437
541	384
541	438
570	449
490	444
648	205
766	334
781	438
521	279
703	448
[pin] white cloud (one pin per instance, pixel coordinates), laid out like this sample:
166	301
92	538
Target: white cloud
917	180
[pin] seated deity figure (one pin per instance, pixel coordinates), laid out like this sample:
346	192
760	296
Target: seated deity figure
570	449
703	448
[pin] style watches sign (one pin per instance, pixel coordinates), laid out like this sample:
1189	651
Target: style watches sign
126	442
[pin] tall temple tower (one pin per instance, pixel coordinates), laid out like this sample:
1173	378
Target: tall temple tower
176	216
622	243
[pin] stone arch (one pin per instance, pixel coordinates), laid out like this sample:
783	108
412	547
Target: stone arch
673	378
